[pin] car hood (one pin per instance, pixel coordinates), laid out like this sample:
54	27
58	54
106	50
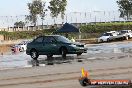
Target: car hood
78	44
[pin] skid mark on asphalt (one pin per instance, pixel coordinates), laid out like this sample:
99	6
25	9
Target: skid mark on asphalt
62	79
95	70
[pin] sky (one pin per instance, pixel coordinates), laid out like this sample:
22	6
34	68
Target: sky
91	5
19	7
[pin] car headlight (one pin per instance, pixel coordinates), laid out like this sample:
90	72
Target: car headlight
72	45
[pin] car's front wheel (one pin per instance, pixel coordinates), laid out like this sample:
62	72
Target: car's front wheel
34	54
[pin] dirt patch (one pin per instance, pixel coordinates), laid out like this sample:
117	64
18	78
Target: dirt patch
4	49
87	41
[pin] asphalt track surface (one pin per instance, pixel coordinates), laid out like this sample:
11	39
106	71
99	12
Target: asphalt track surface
100	66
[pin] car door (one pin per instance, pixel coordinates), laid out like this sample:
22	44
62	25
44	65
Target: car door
38	44
49	45
112	36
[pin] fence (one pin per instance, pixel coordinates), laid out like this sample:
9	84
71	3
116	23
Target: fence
72	17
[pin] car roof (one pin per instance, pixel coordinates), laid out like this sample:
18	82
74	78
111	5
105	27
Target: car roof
112	32
109	32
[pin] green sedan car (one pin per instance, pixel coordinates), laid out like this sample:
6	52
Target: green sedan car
53	45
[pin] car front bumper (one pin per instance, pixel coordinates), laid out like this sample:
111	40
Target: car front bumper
78	50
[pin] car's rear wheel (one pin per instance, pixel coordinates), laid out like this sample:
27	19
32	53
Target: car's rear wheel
22	49
124	37
63	52
108	40
101	40
34	54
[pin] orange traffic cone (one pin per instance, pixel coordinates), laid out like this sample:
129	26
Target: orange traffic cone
85	73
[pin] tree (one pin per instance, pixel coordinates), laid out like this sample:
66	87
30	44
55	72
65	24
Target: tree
57	7
125	8
36	9
19	24
43	14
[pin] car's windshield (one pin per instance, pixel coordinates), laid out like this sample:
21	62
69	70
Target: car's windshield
107	34
62	39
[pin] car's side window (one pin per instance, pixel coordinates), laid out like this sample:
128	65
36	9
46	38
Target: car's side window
49	40
39	40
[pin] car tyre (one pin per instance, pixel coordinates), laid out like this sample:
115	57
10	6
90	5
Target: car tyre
22	49
129	37
101	40
34	54
63	52
108	40
124	37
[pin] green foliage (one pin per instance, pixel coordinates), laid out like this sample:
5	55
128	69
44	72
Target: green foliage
88	28
103	27
87	31
125	8
19	24
57	7
26	34
43	14
35	8
4	33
